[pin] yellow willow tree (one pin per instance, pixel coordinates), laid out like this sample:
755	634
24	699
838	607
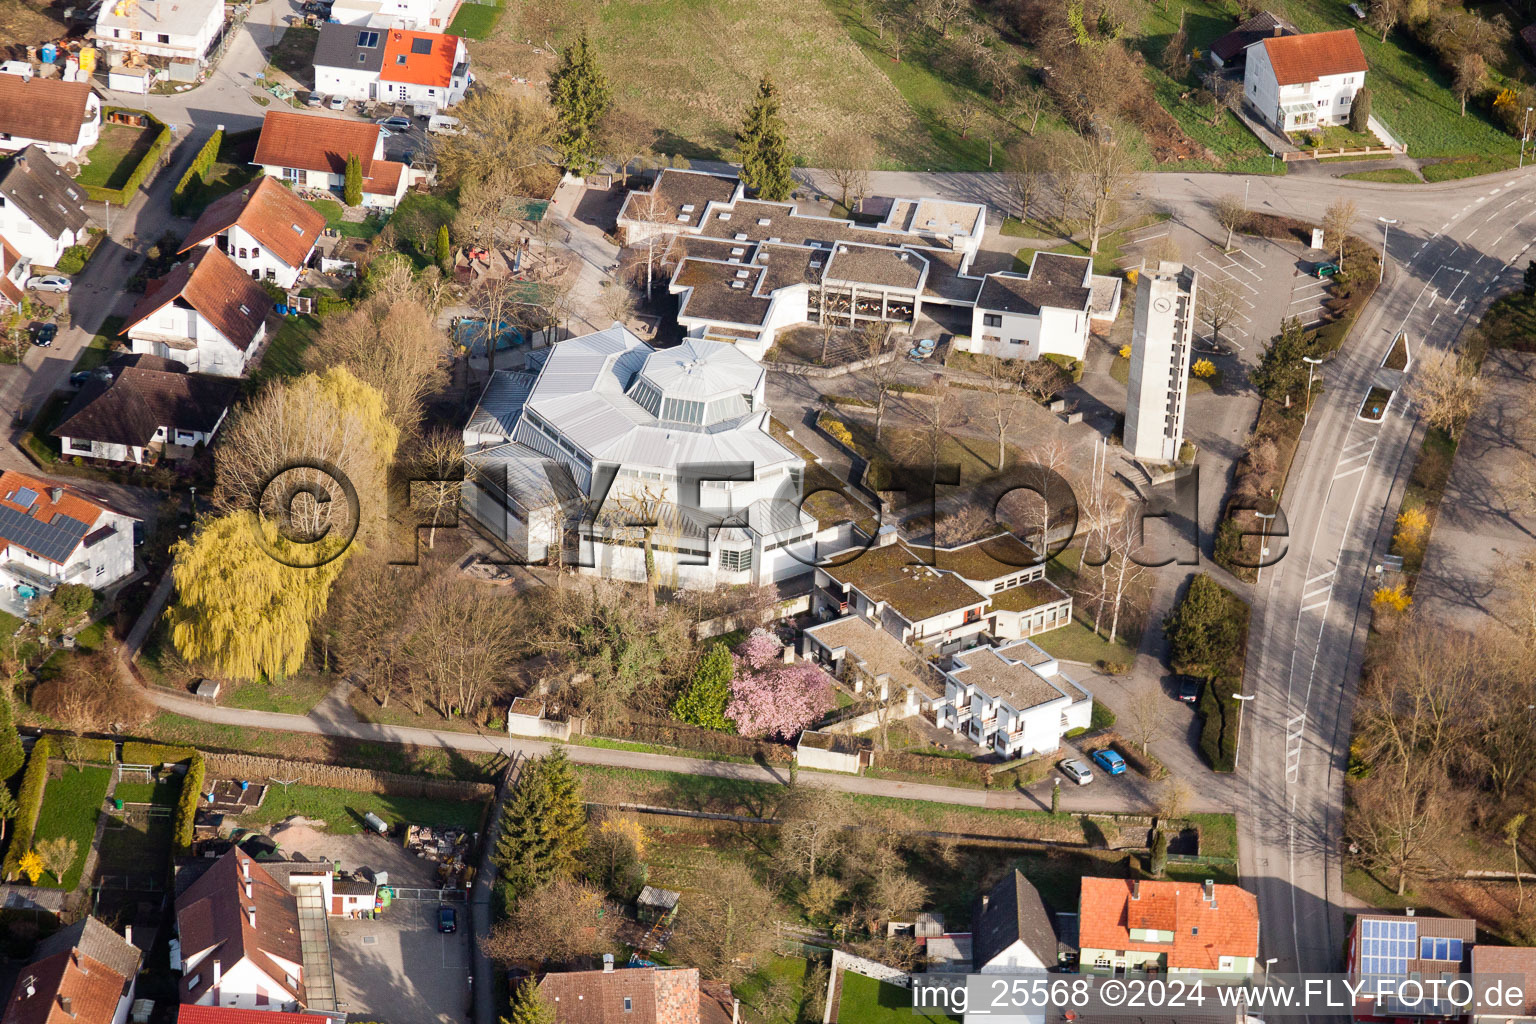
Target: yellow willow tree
238	608
301	478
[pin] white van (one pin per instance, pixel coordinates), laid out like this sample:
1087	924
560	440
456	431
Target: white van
442	124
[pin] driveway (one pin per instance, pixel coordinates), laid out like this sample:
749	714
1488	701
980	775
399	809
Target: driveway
399	969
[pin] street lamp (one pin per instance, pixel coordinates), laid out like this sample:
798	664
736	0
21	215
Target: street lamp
1386	225
1311	361
1525	133
1238	753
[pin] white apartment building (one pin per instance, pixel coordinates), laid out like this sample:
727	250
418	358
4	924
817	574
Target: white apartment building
1044	312
1158	385
1304	81
609	432
425	15
1013	699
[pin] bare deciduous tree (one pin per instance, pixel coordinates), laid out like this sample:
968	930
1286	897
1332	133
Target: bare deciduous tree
502	134
1447	392
1385	14
1030	103
560	921
457	642
812	834
847	158
1338	220
726	926
1220	305
1003	404
1025	173
1107	169
1231	214
629	140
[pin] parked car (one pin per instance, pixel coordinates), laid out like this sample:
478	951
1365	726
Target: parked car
395	123
49	283
338	102
442	124
315	99
1189	689
1325	270
1110	760
447	920
43	335
1075	770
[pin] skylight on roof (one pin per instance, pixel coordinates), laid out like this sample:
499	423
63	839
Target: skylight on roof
368	39
738	284
725	216
244	309
763	222
741	236
298	229
399	58
742	273
23	496
738	251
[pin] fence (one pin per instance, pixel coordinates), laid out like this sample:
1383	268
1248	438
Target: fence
357	780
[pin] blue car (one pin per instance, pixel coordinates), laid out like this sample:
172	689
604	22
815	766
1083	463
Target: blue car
1110	761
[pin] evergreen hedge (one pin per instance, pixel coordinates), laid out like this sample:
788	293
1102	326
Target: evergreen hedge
123	196
155	754
181	196
29	804
186	804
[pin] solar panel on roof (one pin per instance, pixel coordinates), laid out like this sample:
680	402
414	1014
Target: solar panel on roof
53	541
421	46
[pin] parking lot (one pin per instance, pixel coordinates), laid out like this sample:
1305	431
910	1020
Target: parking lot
1271	285
399	969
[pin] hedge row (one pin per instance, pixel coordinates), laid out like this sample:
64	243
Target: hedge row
198	171
956	768
186	804
666	732
123	196
87	750
1222	714
29	804
155	754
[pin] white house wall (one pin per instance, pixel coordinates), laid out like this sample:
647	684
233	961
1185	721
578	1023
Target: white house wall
29	240
263	265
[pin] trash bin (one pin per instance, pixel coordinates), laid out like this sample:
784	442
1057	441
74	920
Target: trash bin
117	803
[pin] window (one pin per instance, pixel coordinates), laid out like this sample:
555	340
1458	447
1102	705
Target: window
399	58
736	561
164	38
368	39
255	253
629	1004
992	320
101	570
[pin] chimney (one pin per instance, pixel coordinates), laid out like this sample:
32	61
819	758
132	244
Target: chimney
250	914
245	866
218	972
56	494
128	933
1136	889
607	963
1277	31
31	986
248	889
1210	891
1409	911
735	1011
64	1004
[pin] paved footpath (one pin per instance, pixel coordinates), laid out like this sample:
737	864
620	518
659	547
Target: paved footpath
331	723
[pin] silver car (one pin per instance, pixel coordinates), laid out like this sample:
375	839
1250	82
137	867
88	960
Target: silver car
49	283
1075	770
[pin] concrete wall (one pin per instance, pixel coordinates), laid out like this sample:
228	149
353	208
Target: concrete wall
538	728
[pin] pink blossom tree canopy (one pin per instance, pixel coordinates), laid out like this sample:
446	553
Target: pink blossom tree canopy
770	698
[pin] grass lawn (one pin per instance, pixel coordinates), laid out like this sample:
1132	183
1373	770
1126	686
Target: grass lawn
788	971
231	168
294	53
284	356
1077	642
332	211
161	794
136	842
293	696
1469	166
71	805
867	1001
343	811
113	159
9	624
1390	175
417	219
100	348
475	20
1106	262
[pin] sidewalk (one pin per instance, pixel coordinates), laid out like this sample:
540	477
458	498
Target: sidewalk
1080	799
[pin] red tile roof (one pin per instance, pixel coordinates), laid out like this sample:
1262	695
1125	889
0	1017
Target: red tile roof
92	988
656	996
212	284
315	143
1306	58
231	1015
385	179
1516	960
45	109
434	67
69	502
272	214
1202	934
214	912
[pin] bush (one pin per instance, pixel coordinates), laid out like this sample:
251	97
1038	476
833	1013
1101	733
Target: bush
74	599
665	732
135	752
181	196
1159	866
29	804
1360	110
1221	713
90	751
12	757
73	259
1073	367
956	768
186	805
837	431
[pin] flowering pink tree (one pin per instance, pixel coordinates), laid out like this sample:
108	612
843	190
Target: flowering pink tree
770	698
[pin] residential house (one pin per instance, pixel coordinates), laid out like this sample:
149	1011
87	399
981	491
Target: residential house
870	660
1167	927
241	939
1013	699
424	15
267	230
744	270
42	210
205	314
61	118
1307	81
181	34
1231	50
946	598
619	431
52	534
147	406
1044	312
82	974
1387	947
430	71
311	151
636	995
190	1014
1517	964
1012	929
14	270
